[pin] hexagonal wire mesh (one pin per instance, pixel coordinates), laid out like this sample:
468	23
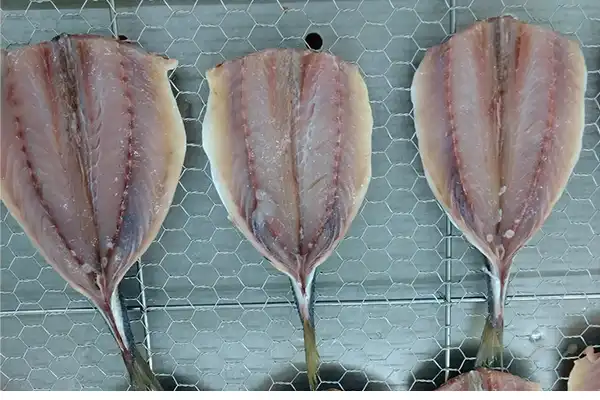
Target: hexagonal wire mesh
399	304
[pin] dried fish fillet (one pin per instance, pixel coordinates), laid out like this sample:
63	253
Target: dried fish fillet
486	380
288	136
499	114
585	375
91	152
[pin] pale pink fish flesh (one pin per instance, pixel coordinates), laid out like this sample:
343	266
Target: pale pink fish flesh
92	148
288	136
487	380
499	115
585	375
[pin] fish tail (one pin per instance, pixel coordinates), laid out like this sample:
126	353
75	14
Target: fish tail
305	302
311	353
141	376
491	349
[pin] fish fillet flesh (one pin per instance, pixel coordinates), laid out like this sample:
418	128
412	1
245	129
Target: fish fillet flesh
585	375
487	380
288	136
91	153
499	116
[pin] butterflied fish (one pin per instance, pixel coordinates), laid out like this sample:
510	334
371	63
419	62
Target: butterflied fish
585	375
499	115
91	152
487	380
288	136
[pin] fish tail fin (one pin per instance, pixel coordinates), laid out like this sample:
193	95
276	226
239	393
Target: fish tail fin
140	374
305	302
491	349
311	353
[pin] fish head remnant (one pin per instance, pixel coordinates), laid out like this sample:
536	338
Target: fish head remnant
92	149
499	116
287	133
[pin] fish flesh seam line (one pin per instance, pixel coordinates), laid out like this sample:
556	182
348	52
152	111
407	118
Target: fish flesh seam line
90	224
498	161
289	151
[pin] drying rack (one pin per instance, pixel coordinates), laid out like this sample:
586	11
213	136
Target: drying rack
400	304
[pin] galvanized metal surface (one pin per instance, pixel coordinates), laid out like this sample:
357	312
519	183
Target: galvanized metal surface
400	304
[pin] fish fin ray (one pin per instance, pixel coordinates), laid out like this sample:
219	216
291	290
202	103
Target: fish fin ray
311	354
491	349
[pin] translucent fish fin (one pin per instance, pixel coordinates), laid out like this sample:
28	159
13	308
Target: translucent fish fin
312	354
491	349
305	302
141	376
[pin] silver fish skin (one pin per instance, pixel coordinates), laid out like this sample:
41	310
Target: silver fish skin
288	136
92	148
117	319
499	117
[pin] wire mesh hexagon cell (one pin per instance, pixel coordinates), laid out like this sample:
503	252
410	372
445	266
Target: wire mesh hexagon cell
399	305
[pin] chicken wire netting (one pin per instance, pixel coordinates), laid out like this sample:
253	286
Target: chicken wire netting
400	304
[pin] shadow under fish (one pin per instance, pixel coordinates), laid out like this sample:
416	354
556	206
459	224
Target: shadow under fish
499	116
288	136
333	376
92	148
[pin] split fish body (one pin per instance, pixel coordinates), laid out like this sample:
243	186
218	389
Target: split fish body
91	152
288	136
499	115
486	380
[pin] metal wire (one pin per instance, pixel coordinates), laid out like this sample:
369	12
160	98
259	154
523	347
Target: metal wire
402	292
448	253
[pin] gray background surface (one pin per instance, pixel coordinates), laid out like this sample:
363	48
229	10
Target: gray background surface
400	304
